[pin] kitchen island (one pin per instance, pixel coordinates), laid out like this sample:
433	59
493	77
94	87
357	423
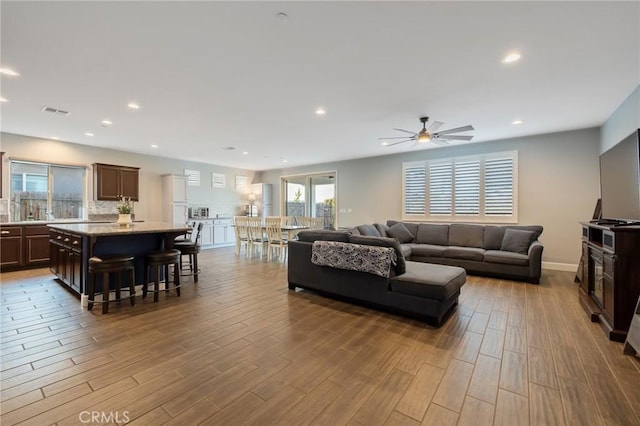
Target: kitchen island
71	246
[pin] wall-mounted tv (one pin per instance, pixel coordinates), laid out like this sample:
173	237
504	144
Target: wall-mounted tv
620	180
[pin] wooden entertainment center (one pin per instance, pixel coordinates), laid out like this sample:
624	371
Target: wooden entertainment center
610	276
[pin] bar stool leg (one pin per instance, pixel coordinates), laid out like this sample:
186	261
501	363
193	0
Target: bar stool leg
156	286
118	284
195	268
105	292
145	281
176	280
132	286
91	290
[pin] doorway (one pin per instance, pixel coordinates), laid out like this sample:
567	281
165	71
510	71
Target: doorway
311	195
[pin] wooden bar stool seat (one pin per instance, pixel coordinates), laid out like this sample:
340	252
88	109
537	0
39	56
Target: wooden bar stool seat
191	248
157	260
107	265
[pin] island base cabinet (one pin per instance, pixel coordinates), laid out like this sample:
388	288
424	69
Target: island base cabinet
65	259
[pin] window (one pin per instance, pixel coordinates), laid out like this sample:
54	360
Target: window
476	188
41	191
193	177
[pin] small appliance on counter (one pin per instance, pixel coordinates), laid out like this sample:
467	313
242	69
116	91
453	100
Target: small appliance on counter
199	212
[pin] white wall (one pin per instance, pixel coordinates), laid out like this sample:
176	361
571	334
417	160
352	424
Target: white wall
558	185
221	201
624	120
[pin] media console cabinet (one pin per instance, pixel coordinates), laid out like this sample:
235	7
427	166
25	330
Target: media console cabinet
610	276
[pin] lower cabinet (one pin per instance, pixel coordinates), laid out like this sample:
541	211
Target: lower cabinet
223	232
66	258
24	246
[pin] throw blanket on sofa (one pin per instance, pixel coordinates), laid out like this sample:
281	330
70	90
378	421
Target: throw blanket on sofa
355	257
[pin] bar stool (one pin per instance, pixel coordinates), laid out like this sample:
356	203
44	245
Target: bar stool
191	248
107	265
157	260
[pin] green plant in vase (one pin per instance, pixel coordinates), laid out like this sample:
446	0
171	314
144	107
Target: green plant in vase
125	207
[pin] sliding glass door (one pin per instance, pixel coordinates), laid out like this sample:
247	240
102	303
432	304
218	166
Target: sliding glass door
312	195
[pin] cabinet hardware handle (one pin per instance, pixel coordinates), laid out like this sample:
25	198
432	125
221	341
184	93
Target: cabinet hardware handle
59	237
75	243
5	232
66	240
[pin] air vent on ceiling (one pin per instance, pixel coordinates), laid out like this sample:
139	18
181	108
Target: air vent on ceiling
228	148
55	111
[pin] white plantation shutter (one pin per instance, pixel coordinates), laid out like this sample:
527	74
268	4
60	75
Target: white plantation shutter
498	187
415	188
482	187
467	188
440	189
193	177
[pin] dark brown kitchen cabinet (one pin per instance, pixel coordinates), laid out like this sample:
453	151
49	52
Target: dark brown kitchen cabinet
66	258
11	247
111	182
24	246
1	161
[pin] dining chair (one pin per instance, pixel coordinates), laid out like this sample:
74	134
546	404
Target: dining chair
256	235
290	221
275	236
241	229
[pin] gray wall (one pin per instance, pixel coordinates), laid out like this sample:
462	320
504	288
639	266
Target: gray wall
558	185
224	201
624	120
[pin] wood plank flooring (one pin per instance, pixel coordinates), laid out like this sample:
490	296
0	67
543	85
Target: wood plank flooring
239	348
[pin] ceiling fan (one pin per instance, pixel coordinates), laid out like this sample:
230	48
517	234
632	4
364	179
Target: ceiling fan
430	134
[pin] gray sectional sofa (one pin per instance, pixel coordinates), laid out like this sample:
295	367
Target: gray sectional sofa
511	251
347	266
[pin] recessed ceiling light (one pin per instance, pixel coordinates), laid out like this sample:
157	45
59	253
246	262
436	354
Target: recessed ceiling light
55	138
384	143
3	99
320	111
9	71
106	123
517	122
89	134
511	57
245	152
133	105
154	146
285	161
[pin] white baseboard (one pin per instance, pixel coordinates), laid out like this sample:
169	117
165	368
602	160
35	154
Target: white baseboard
554	266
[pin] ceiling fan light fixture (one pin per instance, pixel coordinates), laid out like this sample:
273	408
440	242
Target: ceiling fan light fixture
423	137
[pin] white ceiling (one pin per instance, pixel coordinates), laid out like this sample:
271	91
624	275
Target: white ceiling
210	75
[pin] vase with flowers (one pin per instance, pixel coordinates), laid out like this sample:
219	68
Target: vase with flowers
125	207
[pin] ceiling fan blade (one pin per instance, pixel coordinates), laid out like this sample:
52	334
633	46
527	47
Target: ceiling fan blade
396	143
454	138
406	131
435	125
396	137
456	130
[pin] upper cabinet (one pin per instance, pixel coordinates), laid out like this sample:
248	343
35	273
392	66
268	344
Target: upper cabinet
174	188
112	182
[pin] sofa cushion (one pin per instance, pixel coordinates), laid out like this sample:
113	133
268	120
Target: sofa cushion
433	234
517	240
466	253
382	229
383	242
355	257
311	236
368	230
493	236
431	281
427	250
407	249
506	257
400	233
411	227
354	231
463	235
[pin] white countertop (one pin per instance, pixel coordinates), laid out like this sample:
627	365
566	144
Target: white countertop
102	229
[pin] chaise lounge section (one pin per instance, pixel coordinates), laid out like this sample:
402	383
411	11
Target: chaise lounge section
372	271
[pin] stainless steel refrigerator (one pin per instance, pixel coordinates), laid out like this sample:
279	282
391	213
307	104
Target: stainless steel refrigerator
264	198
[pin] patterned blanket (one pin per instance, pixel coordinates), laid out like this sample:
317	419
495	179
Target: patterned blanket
355	257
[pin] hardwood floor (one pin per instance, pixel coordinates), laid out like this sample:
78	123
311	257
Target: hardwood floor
239	348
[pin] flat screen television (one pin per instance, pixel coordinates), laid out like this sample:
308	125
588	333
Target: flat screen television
620	181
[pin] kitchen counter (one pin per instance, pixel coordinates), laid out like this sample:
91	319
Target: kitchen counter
105	229
67	221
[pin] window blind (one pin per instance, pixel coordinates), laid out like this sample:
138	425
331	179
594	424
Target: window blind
498	187
414	189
